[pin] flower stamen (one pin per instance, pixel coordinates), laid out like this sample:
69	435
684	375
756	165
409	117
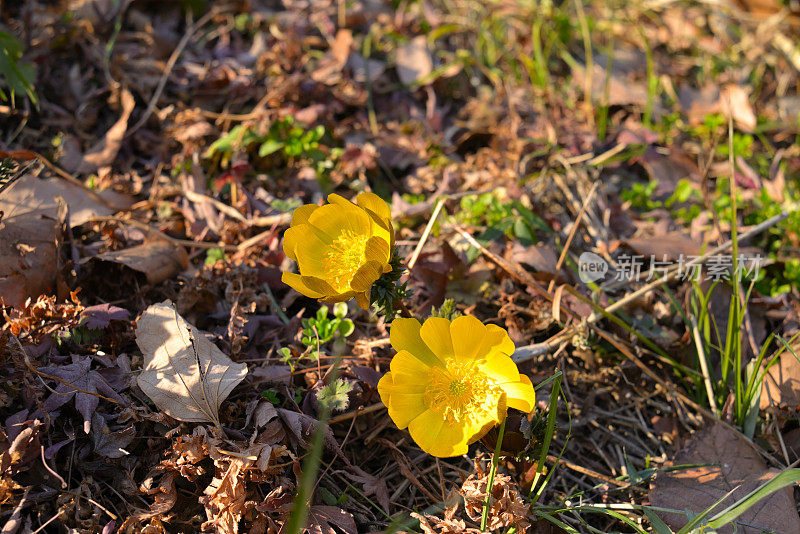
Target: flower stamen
343	258
460	392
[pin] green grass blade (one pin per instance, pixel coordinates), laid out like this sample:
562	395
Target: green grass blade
786	478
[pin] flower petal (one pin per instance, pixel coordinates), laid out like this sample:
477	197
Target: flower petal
385	387
469	336
302	213
366	276
404	405
381	228
435	332
521	395
499	340
404	335
437	437
377	249
309	252
319	285
295	281
500	367
362	300
339	200
409	372
375	204
333	219
291	238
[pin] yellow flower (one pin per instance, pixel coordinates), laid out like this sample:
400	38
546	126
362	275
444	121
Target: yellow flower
341	248
451	382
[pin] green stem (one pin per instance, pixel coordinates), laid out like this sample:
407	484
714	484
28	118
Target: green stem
492	471
299	514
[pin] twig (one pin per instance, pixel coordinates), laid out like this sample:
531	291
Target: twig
41	528
151	105
439	204
519	274
528	352
221	206
358	411
675	271
52	471
162	235
247	243
701	355
572	232
586	471
61	173
281	219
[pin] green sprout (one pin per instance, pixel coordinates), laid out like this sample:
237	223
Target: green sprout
321	329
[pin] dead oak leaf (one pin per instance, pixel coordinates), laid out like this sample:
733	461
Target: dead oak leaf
185	374
323	519
79	382
107	443
723	461
100	316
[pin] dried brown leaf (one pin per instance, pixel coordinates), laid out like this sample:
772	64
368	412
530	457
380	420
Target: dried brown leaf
781	386
105	151
29	194
734	103
28	256
733	465
157	259
413	61
185	374
323	519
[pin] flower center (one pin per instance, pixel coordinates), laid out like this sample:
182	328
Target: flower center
343	258
461	393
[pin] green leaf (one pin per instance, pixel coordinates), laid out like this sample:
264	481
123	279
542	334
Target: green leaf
786	478
346	327
658	525
271	396
18	75
269	146
239	137
334	395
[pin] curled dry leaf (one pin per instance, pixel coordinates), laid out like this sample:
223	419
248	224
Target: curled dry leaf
185	375
40	197
781	385
413	61
107	443
156	259
105	151
29	255
723	461
735	104
329	520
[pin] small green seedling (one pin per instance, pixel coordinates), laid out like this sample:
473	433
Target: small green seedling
213	255
321	329
284	137
335	395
